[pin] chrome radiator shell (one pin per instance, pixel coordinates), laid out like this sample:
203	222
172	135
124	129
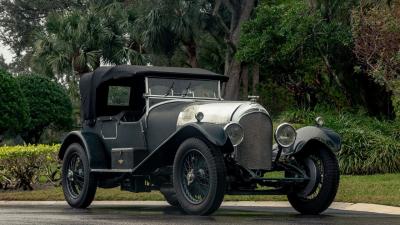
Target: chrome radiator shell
255	152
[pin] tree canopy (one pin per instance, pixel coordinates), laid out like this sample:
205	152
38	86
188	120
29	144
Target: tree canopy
315	51
14	108
48	105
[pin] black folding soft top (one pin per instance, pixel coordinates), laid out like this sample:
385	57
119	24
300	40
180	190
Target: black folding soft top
89	82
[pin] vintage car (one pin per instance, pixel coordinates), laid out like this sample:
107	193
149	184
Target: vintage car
150	128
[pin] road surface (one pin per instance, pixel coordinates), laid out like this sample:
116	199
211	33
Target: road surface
162	214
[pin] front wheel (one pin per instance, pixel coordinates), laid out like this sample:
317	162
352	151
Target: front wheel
169	194
79	185
319	192
199	177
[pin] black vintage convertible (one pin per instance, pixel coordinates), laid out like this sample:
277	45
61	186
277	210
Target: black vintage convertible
161	128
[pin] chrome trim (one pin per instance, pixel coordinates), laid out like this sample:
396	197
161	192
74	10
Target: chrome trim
177	97
248	113
247	108
169	101
146	80
216	112
276	134
111	170
162	103
121	149
219	90
319	121
229	124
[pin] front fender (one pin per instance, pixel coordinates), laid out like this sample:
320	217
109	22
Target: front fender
310	134
92	144
164	154
213	133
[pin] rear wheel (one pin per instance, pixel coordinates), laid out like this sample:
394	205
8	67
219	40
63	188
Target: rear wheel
199	177
79	185
318	194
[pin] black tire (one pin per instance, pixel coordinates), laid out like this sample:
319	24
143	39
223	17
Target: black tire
168	191
172	200
79	185
207	171
317	197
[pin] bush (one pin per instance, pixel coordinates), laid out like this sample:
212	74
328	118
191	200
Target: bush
369	145
275	97
48	105
13	106
22	166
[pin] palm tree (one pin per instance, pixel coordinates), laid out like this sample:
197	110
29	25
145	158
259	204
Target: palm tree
171	24
79	41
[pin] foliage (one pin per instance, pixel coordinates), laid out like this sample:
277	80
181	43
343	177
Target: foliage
48	105
77	42
20	19
3	64
14	107
22	166
297	48
275	97
376	30
369	145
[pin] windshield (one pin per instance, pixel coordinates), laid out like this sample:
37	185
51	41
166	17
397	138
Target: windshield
183	88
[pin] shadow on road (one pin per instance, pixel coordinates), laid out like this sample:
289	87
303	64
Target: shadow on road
115	214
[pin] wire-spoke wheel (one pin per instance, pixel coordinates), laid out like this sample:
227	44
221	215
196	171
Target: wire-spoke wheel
75	178
199	177
318	193
195	176
79	185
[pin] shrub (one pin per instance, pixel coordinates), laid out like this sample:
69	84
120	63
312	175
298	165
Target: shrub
48	105
368	145
275	97
22	166
13	106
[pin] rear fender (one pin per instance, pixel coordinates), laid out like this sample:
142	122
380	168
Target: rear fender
93	146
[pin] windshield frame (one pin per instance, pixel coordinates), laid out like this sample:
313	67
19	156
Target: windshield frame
158	96
149	96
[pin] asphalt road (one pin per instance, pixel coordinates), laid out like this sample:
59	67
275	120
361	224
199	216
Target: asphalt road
115	214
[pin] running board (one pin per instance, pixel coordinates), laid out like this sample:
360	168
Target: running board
111	170
278	182
277	191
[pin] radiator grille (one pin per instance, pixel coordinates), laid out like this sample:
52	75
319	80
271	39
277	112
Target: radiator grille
255	152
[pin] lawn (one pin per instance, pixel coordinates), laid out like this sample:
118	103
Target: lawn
379	189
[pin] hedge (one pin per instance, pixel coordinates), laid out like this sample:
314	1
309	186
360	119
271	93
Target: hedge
369	145
23	166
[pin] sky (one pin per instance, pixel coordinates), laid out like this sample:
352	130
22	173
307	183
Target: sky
6	52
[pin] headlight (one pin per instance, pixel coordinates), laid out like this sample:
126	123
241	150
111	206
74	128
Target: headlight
320	121
285	135
235	133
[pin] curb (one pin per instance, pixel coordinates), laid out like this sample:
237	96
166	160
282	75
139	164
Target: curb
358	207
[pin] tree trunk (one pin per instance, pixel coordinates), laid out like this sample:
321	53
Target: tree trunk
231	91
191	51
256	78
245	81
240	12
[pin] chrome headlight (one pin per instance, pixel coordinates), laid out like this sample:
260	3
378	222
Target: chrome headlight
319	121
235	133
285	135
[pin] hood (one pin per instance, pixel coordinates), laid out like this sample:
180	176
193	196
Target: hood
220	112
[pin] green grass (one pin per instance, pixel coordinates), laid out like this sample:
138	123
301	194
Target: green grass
379	189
